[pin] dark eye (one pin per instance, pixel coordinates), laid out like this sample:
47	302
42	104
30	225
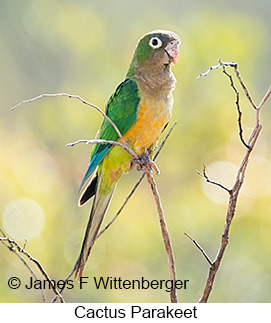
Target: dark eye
155	42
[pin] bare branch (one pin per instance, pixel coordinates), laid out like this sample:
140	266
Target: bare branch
15	248
165	234
200	248
160	146
72	96
240	176
12	249
237	105
244	87
237	102
265	98
103	142
62	289
211	68
234	65
203	174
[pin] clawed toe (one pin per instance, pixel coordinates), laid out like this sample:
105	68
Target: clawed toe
144	160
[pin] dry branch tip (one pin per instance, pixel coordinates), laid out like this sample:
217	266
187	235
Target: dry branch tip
204	175
200	248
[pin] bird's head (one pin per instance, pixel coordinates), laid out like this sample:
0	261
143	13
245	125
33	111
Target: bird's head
157	49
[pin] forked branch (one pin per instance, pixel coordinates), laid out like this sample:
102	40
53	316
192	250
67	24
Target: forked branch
14	247
240	176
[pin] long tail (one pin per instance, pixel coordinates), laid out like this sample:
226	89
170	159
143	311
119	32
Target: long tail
99	208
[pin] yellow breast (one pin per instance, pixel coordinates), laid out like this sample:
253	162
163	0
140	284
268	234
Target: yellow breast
152	117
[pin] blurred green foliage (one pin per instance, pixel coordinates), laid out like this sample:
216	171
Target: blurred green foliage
85	47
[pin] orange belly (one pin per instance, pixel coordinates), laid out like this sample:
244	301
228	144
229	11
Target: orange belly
151	120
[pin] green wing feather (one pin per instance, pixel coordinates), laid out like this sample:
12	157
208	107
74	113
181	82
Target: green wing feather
122	110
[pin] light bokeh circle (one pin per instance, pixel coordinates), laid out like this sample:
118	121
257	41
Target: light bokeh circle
23	219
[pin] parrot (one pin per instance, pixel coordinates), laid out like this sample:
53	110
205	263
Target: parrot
140	107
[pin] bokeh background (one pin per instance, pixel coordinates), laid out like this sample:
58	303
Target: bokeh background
85	47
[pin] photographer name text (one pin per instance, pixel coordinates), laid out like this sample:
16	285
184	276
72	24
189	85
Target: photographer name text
107	283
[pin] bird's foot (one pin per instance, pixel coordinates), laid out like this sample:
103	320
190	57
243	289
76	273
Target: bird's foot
144	160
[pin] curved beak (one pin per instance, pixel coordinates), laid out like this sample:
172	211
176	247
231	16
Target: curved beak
172	52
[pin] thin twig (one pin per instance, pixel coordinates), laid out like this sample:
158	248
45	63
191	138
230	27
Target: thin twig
13	244
200	248
211	68
122	206
103	142
237	104
203	174
73	96
243	86
64	285
235	66
12	249
160	146
265	98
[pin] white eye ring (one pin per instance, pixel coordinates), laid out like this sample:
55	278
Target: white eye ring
155	42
